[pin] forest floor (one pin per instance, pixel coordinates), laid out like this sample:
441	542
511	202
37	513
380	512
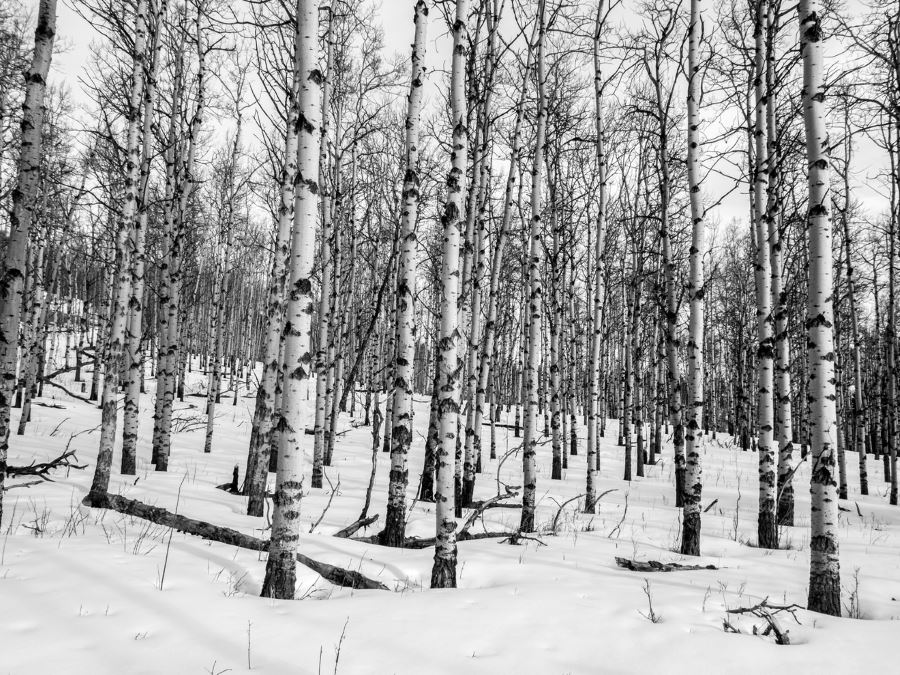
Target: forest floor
90	591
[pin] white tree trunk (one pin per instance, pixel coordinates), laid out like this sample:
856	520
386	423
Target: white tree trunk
264	413
767	535
693	485
21	216
443	573
182	188
510	201
280	579
535	292
322	365
122	293
401	434
593	445
477	203
134	360
824	566
783	418
222	273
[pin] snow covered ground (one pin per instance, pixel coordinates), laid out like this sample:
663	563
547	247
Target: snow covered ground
82	591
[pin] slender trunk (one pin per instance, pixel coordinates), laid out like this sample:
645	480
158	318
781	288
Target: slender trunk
133	355
280	579
443	572
535	292
783	417
324	319
264	413
401	436
21	217
824	576
767	535
126	232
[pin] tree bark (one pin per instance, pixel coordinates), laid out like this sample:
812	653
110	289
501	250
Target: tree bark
443	572
535	290
693	484
401	436
824	575
12	280
280	579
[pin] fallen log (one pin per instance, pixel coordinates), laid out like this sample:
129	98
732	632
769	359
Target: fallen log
225	535
42	404
416	543
656	566
66	391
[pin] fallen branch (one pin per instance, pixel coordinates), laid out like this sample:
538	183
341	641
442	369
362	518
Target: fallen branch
7	488
516	538
656	566
225	535
42	404
70	393
41	469
334	491
480	508
555	526
712	504
766	612
416	543
618	527
353	528
597	499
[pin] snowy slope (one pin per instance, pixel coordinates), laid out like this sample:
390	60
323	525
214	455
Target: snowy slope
80	588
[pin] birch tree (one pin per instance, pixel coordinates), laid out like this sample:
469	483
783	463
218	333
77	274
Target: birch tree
280	579
122	292
693	486
443	572
12	280
535	289
134	359
767	535
401	434
824	573
264	412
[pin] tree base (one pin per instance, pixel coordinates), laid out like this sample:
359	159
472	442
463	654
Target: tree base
443	572
467	493
527	522
281	577
679	487
690	534
785	514
825	593
556	471
394	532
766	532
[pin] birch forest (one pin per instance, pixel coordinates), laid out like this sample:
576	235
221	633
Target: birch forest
449	336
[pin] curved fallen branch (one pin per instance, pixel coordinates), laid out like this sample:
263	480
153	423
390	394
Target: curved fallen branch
226	535
68	392
41	469
353	528
482	506
463	535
